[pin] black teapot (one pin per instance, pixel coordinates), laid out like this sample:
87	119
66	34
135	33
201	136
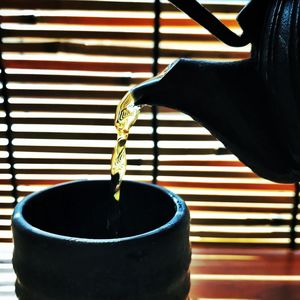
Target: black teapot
251	105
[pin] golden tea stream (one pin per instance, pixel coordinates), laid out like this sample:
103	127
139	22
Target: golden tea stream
126	115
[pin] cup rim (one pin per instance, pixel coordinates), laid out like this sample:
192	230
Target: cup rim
18	220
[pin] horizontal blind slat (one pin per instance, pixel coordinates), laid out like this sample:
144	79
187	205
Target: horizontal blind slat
71	79
82	136
108	5
65	94
242	235
62	108
76	149
220	195
90	161
52	47
100	21
207	184
70	121
79	66
238	222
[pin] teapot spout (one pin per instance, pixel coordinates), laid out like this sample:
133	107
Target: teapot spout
231	101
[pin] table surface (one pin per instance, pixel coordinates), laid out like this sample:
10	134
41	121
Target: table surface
217	273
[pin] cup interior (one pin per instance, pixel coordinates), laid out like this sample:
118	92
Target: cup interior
80	209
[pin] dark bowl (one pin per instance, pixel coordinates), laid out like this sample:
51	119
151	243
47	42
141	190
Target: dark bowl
62	249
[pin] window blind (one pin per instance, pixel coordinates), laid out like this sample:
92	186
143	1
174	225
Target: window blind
67	65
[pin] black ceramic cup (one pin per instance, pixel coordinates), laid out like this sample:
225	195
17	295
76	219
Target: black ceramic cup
61	249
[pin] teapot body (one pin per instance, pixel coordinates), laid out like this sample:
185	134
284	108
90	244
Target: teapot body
278	63
252	106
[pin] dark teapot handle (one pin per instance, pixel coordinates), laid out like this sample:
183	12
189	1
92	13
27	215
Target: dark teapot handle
205	18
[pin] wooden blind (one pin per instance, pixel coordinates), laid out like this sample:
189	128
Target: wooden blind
67	65
5	179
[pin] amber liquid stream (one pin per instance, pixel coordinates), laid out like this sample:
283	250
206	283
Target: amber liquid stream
126	115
